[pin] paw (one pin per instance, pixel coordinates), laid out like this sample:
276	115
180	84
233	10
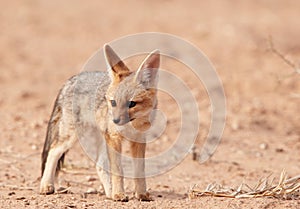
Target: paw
121	197
144	197
47	189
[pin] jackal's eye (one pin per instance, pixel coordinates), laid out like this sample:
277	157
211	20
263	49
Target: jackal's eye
131	104
113	103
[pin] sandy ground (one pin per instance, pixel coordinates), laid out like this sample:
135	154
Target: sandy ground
43	43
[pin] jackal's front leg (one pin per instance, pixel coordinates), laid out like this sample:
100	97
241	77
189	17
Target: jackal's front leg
114	143
138	154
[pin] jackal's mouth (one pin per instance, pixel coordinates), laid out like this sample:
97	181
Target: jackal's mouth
123	122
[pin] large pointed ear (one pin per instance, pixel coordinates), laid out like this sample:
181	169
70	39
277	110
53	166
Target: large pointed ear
147	72
116	67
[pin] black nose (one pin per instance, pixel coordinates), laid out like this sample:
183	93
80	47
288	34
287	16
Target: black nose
116	121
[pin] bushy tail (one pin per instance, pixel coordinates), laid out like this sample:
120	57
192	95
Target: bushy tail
52	137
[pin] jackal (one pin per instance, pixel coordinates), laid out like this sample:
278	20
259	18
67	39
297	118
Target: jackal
122	97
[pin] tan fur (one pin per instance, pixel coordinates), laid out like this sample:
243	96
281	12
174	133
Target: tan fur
123	97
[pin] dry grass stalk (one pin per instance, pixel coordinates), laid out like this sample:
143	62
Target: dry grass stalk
280	54
285	188
283	57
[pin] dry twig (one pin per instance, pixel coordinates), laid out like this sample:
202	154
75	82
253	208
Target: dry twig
76	172
286	188
281	56
16	187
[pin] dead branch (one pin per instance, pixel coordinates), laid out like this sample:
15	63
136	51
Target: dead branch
16	187
285	188
281	56
76	172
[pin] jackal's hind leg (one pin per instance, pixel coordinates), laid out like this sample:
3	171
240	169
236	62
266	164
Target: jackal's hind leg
48	178
104	177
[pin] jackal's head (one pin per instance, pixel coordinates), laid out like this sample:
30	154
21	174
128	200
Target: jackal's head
131	96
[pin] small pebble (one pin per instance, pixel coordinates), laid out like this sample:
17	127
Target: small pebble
18	118
46	205
91	178
91	191
26	202
235	125
258	154
11	193
71	206
263	146
279	150
36	125
34	147
164	138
